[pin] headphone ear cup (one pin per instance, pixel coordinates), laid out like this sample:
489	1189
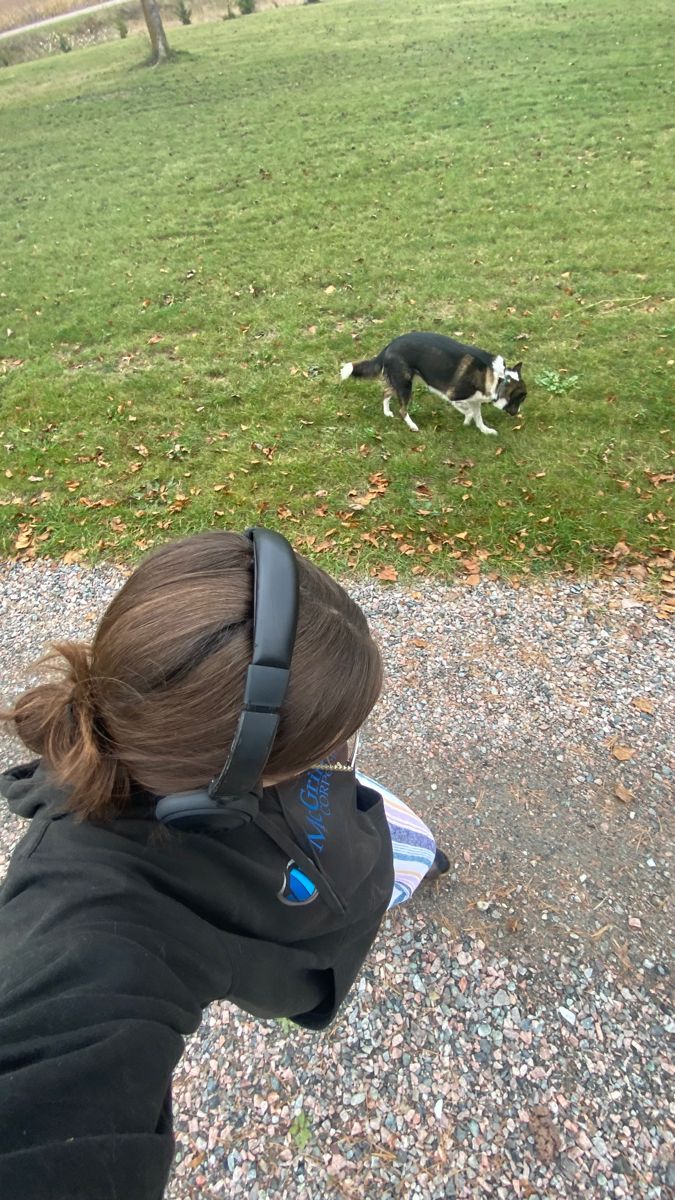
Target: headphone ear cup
196	810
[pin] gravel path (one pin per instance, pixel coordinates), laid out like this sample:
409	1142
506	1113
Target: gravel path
509	1035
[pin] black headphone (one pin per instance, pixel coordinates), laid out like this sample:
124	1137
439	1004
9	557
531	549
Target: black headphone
232	798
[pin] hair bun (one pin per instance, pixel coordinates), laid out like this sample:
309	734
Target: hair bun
58	720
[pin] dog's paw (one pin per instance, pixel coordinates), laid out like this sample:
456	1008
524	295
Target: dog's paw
468	420
411	424
489	429
346	370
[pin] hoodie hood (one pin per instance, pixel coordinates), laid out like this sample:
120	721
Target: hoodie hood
304	818
28	788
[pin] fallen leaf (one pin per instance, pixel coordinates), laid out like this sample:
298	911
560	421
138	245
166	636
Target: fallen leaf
623	753
622	793
329	290
472	580
471	565
659	479
378	482
547	1140
635	922
388	574
643	704
420	642
364	501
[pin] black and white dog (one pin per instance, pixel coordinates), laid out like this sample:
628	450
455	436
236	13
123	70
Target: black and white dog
463	375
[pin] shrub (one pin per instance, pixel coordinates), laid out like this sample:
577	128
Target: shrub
245	7
183	13
122	27
64	43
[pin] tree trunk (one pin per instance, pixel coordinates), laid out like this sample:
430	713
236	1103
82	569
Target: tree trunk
153	20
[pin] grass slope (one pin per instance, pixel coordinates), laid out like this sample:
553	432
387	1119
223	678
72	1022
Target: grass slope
187	255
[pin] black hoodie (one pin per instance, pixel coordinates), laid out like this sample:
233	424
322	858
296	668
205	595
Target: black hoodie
114	937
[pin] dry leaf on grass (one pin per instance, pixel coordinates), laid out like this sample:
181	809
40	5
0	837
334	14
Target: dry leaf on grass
378	481
388	574
471	565
364	501
643	704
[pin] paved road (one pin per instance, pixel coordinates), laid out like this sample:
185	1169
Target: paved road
77	12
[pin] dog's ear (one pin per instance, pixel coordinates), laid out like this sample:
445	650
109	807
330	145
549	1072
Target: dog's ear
518	368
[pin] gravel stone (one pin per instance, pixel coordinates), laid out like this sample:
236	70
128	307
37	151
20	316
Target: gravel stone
567	1015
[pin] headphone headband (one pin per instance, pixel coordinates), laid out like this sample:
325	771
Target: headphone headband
232	797
275	618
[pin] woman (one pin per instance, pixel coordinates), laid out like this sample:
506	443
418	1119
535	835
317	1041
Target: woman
117	929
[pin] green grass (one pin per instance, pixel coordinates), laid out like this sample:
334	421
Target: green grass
188	254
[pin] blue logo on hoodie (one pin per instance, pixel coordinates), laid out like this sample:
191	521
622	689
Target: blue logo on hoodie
315	801
297	887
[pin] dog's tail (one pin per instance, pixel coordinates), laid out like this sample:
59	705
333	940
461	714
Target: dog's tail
367	369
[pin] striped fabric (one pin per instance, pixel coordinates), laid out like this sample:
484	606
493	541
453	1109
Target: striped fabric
412	842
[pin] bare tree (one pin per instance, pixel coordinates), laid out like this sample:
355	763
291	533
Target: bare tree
153	20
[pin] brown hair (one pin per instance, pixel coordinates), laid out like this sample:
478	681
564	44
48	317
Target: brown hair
154	700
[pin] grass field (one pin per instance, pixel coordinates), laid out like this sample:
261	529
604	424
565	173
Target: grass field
188	254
